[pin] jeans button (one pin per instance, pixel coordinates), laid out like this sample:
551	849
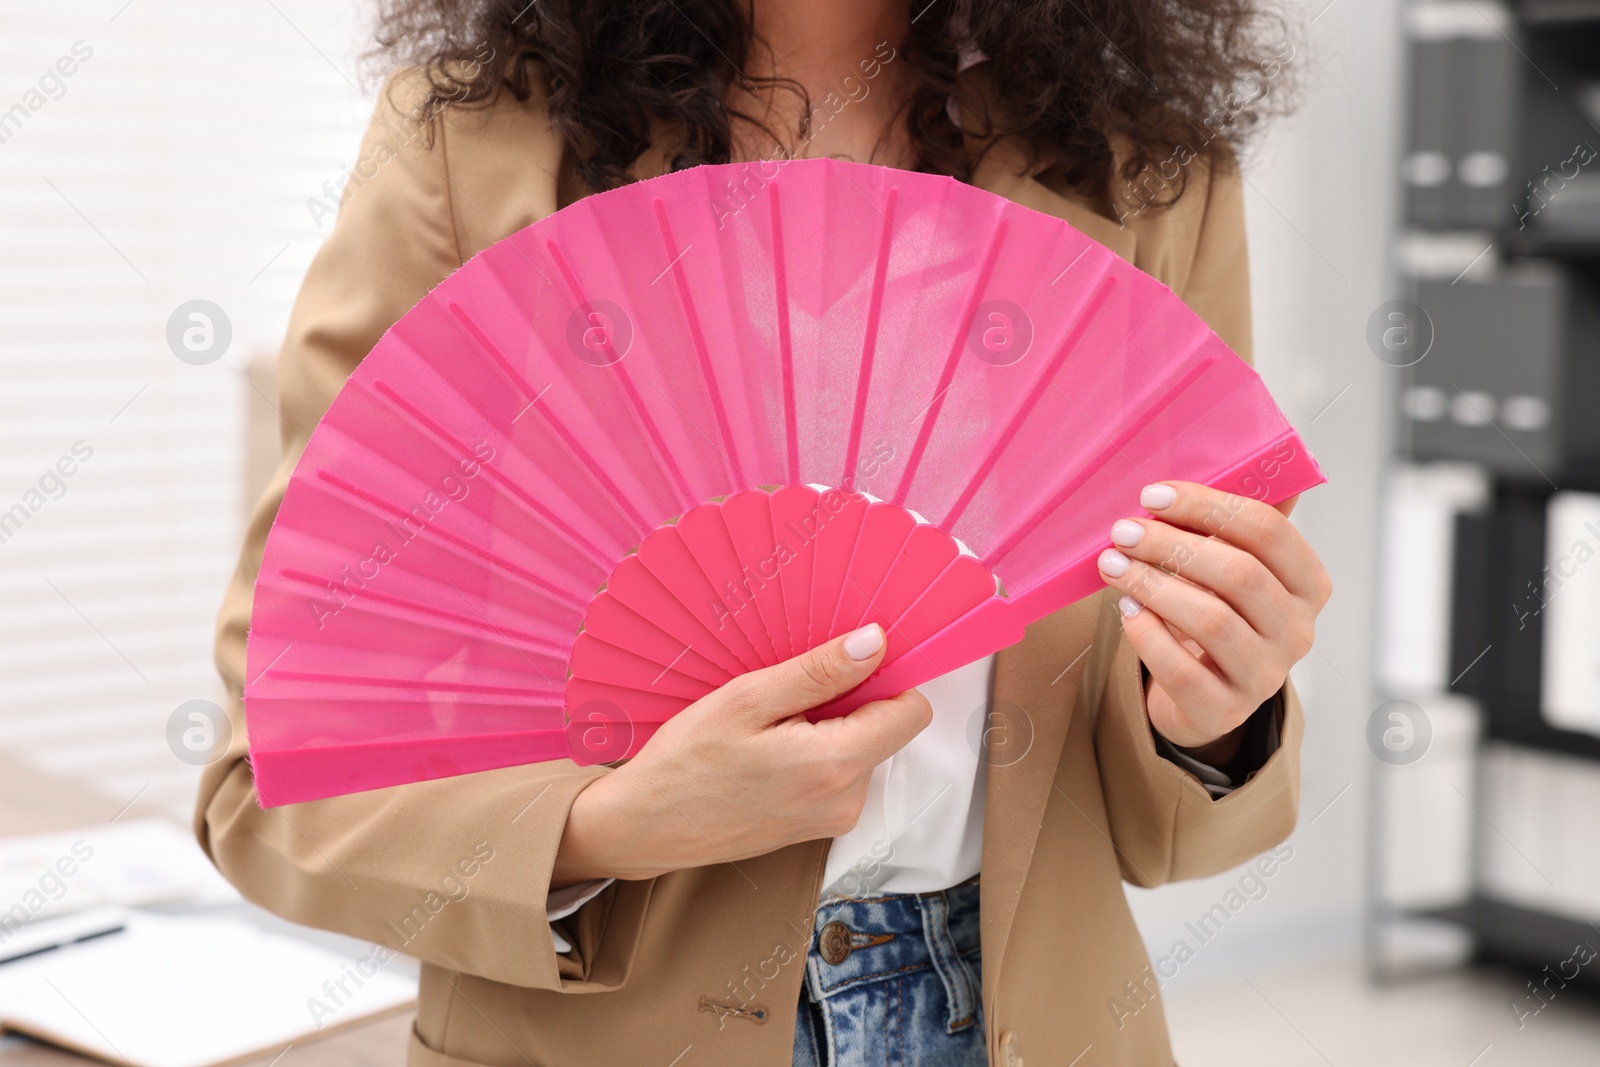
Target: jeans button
1011	1049
834	943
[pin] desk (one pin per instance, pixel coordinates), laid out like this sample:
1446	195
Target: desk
32	802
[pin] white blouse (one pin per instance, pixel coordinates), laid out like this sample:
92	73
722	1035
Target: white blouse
921	828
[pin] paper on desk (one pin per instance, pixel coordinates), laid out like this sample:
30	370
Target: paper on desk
193	992
142	861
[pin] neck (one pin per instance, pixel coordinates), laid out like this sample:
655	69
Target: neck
844	54
819	42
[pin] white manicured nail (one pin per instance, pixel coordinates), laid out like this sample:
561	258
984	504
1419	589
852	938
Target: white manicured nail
1128	606
1126	532
1156	497
864	643
1113	563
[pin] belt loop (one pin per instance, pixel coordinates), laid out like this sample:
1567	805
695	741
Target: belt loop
960	988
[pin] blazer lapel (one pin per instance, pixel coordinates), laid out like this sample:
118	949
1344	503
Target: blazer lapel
1035	693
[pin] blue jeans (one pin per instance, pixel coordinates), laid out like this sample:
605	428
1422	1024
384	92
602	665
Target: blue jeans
894	980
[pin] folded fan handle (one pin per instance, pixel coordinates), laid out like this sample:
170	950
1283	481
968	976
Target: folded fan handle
1273	474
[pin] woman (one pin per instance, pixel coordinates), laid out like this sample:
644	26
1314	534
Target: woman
772	891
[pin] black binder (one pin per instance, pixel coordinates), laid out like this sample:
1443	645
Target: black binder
1513	376
1430	147
1497	615
1460	166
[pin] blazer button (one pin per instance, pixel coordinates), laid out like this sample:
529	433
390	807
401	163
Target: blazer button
834	943
1011	1049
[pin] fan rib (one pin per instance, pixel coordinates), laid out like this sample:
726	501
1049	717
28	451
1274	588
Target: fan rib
836	538
671	553
794	510
705	535
697	335
869	348
623	667
658	441
1112	446
755	545
697	666
908	577
622	626
948	374
780	282
492	562
457	621
934	587
1097	297
841	623
634	586
515	491
430	685
649	707
368	705
536	400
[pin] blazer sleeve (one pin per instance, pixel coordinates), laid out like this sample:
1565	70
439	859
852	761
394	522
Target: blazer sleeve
455	871
1164	822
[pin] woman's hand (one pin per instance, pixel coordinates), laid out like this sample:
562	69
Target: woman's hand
741	772
1218	617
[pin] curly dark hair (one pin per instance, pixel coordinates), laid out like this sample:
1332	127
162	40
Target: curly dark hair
1152	83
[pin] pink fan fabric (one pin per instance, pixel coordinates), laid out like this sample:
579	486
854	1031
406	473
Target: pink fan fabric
933	354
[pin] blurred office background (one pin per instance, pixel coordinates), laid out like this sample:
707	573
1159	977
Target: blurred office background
1424	232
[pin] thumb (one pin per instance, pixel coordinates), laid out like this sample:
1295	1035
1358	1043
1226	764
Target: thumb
797	685
878	730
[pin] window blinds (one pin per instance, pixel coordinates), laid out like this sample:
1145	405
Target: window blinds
152	153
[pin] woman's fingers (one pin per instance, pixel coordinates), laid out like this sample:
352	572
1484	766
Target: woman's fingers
874	732
1171	666
1220	597
1211	622
1237	577
1259	529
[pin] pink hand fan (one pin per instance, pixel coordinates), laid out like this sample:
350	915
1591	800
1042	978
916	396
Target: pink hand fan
699	424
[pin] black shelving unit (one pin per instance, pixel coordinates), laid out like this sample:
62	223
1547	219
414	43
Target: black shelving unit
1521	937
1524	727
1581	247
1502	103
1555	13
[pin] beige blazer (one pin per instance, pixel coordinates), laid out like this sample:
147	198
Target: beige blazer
455	872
